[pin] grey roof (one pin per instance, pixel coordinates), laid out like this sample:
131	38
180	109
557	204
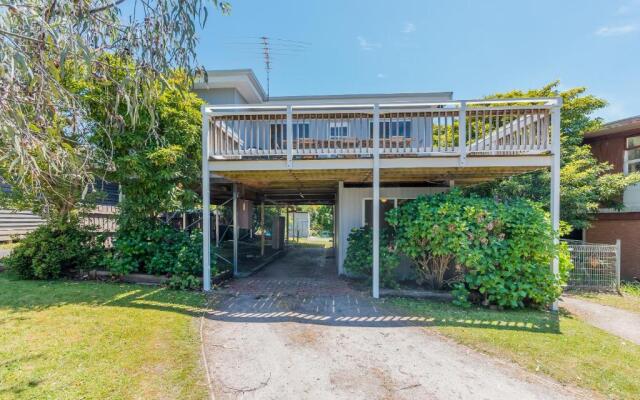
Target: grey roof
250	75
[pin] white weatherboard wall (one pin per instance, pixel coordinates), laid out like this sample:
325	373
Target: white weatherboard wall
351	203
299	225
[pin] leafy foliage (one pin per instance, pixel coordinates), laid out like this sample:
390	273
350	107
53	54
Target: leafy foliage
433	232
156	172
586	184
46	151
152	247
359	259
54	249
505	248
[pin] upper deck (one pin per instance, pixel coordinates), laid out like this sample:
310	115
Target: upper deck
455	128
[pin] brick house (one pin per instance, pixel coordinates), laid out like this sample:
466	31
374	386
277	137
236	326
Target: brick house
618	143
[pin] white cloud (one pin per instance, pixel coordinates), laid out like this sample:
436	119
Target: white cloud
367	45
381	75
628	7
616	30
409	27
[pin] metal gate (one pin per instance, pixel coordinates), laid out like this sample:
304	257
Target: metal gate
595	266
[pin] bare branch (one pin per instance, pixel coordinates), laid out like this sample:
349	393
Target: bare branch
105	7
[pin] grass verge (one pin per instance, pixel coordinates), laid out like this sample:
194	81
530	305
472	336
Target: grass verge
560	346
629	299
72	340
8	245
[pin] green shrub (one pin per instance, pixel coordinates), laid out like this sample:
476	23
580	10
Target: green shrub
359	258
433	232
54	249
505	248
152	247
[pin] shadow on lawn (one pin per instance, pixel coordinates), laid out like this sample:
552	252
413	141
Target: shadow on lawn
21	295
360	311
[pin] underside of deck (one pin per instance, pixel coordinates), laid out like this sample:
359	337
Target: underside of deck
316	181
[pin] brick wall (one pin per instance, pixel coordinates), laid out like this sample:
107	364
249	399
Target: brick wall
608	228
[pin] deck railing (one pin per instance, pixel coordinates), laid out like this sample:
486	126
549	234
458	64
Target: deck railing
483	127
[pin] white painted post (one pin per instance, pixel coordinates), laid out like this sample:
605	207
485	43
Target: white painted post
334	215
217	213
338	243
236	231
262	228
286	229
206	201
555	183
376	202
618	259
289	137
462	132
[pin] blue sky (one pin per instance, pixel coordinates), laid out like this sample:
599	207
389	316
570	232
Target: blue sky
472	48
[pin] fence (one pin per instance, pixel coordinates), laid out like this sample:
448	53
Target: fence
595	266
102	220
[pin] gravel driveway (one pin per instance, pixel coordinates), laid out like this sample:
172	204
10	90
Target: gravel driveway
304	338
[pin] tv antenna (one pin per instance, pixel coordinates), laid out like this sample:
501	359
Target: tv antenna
266	52
268	47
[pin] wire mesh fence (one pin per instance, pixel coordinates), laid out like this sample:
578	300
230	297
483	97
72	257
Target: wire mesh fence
596	266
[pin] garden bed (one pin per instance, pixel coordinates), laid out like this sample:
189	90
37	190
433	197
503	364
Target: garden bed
417	294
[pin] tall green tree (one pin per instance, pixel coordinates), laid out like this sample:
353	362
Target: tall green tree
157	171
47	154
586	183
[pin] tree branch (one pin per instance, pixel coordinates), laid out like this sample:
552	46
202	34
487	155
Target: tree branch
105	7
17	35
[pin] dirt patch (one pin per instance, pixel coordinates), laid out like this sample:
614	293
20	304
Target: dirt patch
304	336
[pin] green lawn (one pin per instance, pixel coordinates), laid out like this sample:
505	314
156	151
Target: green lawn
562	347
70	340
629	299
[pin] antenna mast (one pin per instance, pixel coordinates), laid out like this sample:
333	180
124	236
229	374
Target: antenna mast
268	47
266	53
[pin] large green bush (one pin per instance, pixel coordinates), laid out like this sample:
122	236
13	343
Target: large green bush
54	249
152	247
359	258
504	248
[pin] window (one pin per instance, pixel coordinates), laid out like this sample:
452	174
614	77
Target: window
300	130
632	155
386	204
338	129
393	128
279	133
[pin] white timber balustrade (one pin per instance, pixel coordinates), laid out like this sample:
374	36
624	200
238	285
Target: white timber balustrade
456	128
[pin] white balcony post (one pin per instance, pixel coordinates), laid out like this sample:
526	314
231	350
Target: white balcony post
217	215
462	132
235	229
262	228
339	231
376	202
555	184
206	200
289	136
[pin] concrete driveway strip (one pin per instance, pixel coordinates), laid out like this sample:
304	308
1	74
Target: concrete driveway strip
622	323
345	347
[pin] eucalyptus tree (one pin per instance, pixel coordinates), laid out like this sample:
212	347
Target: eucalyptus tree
46	150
